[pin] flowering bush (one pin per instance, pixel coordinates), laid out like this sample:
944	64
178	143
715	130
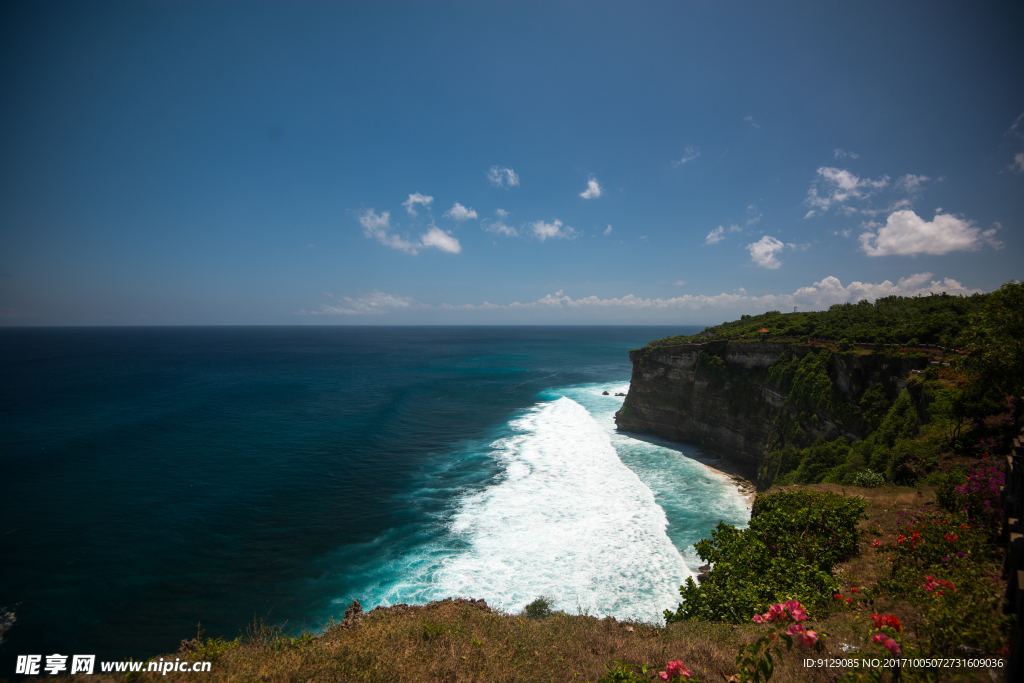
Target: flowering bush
946	565
978	497
938	585
627	673
755	660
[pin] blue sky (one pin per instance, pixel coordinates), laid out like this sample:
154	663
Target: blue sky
502	162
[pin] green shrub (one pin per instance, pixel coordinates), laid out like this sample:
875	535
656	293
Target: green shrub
873	406
710	362
539	608
899	423
625	673
869	479
794	540
817	460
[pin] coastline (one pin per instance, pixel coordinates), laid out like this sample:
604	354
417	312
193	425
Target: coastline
737	474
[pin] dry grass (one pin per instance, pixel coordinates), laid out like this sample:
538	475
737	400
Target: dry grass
459	640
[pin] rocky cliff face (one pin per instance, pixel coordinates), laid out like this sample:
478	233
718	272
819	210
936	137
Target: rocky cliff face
720	395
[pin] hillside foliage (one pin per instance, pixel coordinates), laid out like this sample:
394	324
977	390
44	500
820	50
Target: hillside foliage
936	319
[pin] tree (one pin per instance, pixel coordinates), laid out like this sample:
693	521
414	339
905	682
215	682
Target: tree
993	342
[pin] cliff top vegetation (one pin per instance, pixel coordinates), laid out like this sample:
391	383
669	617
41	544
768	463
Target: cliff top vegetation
936	319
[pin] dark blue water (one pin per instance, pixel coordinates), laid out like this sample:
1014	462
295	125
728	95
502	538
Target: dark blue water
153	478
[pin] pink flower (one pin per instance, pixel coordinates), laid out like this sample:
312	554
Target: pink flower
806	637
931	583
888	643
783	611
796	610
677	668
663	675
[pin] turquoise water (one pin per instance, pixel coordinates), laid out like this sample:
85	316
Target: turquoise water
156	477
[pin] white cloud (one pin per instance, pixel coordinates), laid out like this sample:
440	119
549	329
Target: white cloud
436	237
502	177
1018	162
554	229
500	228
828	292
414	199
715	236
840	185
608	230
839	154
377	226
593	190
459	213
905	233
911	183
718	234
1016	126
691	154
373	223
751	121
819	296
374	303
680	283
763	252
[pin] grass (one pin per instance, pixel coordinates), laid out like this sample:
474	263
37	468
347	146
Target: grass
459	640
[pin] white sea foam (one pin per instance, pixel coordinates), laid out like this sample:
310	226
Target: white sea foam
566	519
593	517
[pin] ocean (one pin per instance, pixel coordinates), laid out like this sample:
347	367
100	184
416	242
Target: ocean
157	478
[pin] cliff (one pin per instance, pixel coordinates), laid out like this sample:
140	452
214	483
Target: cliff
738	399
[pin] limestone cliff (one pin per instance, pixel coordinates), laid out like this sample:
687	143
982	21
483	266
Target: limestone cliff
727	397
